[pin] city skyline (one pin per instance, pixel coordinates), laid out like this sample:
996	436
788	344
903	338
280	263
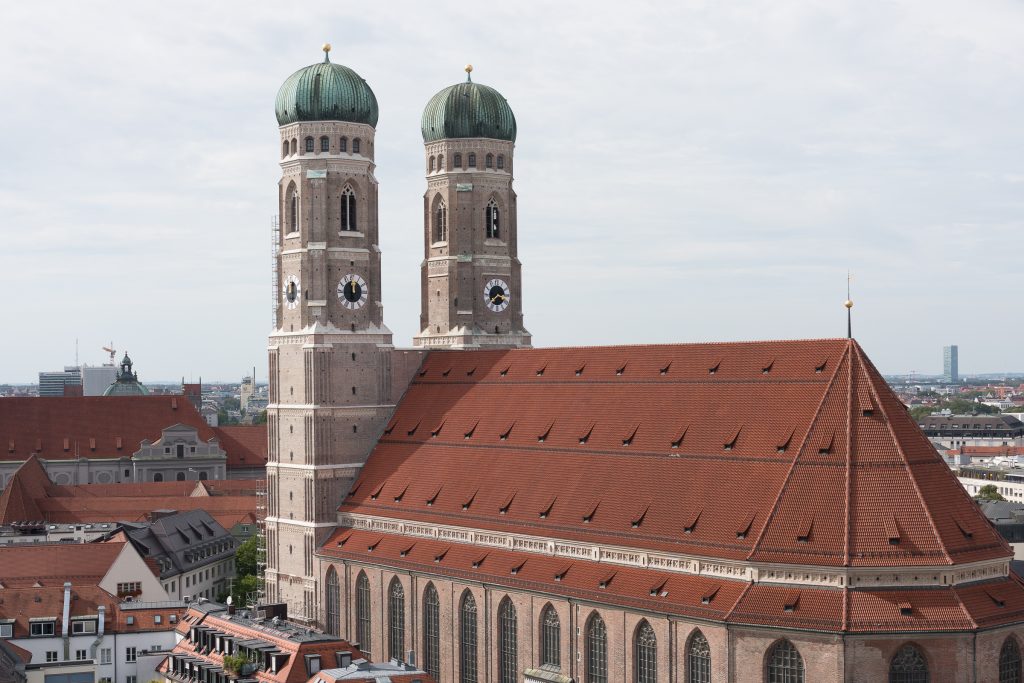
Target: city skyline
753	155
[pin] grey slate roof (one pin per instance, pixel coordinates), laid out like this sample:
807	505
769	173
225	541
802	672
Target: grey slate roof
182	541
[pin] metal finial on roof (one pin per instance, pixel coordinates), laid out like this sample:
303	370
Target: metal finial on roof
469	73
849	306
327	52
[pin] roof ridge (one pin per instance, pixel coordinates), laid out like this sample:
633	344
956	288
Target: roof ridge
792	466
849	463
963	607
906	463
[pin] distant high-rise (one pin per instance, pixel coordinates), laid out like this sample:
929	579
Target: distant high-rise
96	379
950	364
53	383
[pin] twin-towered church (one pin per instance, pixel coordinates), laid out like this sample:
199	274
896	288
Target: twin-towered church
489	511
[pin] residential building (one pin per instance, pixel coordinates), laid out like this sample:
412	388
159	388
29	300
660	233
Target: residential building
959	431
951	363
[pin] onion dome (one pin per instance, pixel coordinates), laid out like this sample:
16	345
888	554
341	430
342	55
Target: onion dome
127	382
326	92
468	110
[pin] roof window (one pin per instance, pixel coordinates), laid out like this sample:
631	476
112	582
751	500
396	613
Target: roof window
996	599
791	601
679	437
586	434
691	522
543	436
630	434
906	609
469	501
590	515
803	534
707	597
469	434
744	528
506	431
767	368
637	518
433	497
665	368
714	368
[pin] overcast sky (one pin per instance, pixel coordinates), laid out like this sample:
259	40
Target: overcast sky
730	160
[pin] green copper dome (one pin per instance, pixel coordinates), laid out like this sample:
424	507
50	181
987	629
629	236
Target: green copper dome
127	382
326	92
468	110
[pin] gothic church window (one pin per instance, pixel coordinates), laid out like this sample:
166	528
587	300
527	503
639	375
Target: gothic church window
348	210
597	650
343	145
508	655
785	665
467	639
355	145
472	160
489	161
491	220
550	638
698	659
457	161
396	620
645	653
441	222
363	612
908	666
309	144
325	144
431	632
333	588
501	161
1009	662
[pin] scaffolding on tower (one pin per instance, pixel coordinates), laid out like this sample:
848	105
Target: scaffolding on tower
258	596
275	248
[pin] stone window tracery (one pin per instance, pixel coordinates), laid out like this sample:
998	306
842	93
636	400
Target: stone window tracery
597	650
348	210
363	612
396	620
333	600
698	659
785	665
293	211
508	655
467	639
441	222
550	638
1009	662
645	653
431	632
908	666
492	220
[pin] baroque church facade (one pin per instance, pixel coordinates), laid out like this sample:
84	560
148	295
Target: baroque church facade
760	511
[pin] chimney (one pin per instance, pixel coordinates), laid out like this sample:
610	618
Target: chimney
101	620
67	609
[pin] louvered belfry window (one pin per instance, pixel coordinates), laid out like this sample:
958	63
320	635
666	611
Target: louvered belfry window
698	659
431	632
363	612
551	637
785	665
597	650
508	655
467	639
491	220
396	621
645	654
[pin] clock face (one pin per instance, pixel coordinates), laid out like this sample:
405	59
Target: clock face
291	291
352	291
497	295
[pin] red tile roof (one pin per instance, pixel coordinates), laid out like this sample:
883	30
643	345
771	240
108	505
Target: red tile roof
18	499
786	452
23	564
246	445
23	604
59	427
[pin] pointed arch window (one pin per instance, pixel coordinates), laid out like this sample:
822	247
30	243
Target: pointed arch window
309	143
284	148
501	161
472	160
431	166
597	650
396	620
348	210
457	161
1009	662
325	144
489	161
908	666
550	638
785	665
467	639
356	143
333	601
492	222
432	632
441	222
698	659
363	612
508	654
343	145
440	162
645	653
293	211
295	146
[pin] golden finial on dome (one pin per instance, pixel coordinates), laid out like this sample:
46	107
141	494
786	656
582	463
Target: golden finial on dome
326	47
848	303
469	73
327	52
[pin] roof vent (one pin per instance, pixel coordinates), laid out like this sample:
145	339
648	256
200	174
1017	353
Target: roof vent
803	533
630	434
518	568
447	372
906	609
637	518
437	430
430	501
820	367
541	438
391	427
680	435
469	501
540	370
744	528
503	508
825	444
791	601
579	369
504	372
707	597
964	529
373	496
730	443
622	369
416	426
440	556
503	436
560	574
469	373
892	530
996	600
784	440
546	510
469	434
373	546
767	368
659	590
606	581
586	434
691	522
590	515
401	494
478	562
714	368
343	541
665	368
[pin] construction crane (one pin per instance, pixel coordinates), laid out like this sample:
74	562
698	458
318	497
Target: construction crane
112	351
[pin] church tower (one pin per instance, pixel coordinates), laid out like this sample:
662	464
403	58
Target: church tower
329	351
471	279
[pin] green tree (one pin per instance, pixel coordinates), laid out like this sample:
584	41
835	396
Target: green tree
260	418
242	587
245	557
989	492
918	412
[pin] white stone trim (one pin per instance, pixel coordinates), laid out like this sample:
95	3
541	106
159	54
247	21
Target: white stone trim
754	572
293	466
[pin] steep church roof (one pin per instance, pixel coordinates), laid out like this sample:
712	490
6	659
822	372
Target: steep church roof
18	500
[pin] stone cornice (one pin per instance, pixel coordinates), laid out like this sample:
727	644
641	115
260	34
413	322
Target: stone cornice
738	570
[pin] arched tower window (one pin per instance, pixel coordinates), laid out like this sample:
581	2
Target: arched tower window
363	612
295	145
489	161
908	666
472	160
501	161
1009	662
284	148
158	477
457	161
432	632
333	602
467	639
293	211
441	222
396	620
343	145
430	167
645	653
325	144
309	143
785	665
550	638
698	659
348	210
355	145
440	162
180	476
492	220
597	650
508	654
